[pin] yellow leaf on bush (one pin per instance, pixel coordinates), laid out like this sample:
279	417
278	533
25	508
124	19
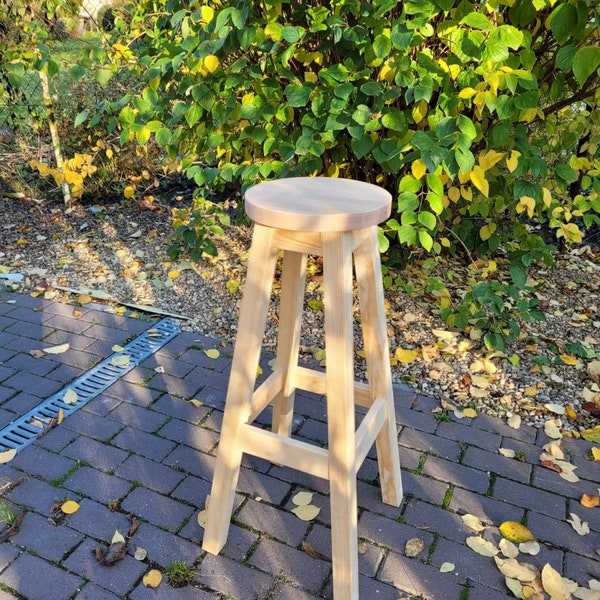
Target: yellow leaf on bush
479	181
418	168
69	507
211	63
515	532
152	578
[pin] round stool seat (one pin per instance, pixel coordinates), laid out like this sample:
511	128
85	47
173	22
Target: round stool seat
317	204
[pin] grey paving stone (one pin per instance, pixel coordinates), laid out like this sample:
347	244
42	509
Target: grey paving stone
530	497
6	393
313	430
582	569
166	592
133	393
460	475
6	417
234	579
295	566
99	427
30	576
426	442
46	540
489	510
391	534
99	455
469	434
257	484
494	462
427	516
308	482
560	533
191	461
104	332
21	402
149	473
29	329
8	553
414	419
75	340
101	405
279	524
25	362
66	323
163	547
212	396
549	480
181	409
187	433
495	425
138	417
413	577
176	386
97	521
371	588
192	490
149	445
94	592
35	494
66	373
156	509
42	387
99	486
287	592
38	461
119	578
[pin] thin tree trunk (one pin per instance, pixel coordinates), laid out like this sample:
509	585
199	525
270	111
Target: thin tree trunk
54	132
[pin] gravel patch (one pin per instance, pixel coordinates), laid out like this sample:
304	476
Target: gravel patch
120	250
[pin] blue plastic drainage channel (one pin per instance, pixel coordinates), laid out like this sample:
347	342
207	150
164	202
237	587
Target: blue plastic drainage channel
21	432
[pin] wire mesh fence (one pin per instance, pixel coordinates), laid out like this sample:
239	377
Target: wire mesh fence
22	108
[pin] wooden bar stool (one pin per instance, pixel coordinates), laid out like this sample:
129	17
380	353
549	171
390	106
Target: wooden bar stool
336	219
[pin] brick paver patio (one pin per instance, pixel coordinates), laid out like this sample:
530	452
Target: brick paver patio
141	452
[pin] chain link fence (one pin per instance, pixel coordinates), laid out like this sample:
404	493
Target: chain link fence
22	107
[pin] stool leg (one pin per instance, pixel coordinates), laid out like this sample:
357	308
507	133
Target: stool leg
253	315
337	264
288	342
370	293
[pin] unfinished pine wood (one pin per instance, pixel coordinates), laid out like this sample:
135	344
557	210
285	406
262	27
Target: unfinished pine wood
370	293
253	315
339	342
317	204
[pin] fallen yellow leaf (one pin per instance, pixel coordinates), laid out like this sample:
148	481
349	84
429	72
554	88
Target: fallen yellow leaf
531	391
596	453
7	455
57	349
212	353
302	498
232	286
590	501
70	397
121	360
69	507
569	359
152	578
515	532
470	413
481	546
173	274
592	435
406	356
306	512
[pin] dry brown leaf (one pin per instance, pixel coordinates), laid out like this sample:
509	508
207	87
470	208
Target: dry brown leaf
551	430
531	548
509	549
414	547
476	392
582	593
306	512
509	567
57	349
514	421
36	353
557	586
593	369
302	498
480	381
70	397
7	455
473	522
152	579
554	449
312	551
481	546
581	527
195	402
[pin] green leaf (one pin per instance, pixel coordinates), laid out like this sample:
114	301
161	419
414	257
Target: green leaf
518	276
563	20
564	58
394	120
407	201
163	136
477	21
103	76
292	34
585	63
297	95
361	146
362	114
371	88
407	234
81	117
382	45
425	239
427	219
193	114
566	173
